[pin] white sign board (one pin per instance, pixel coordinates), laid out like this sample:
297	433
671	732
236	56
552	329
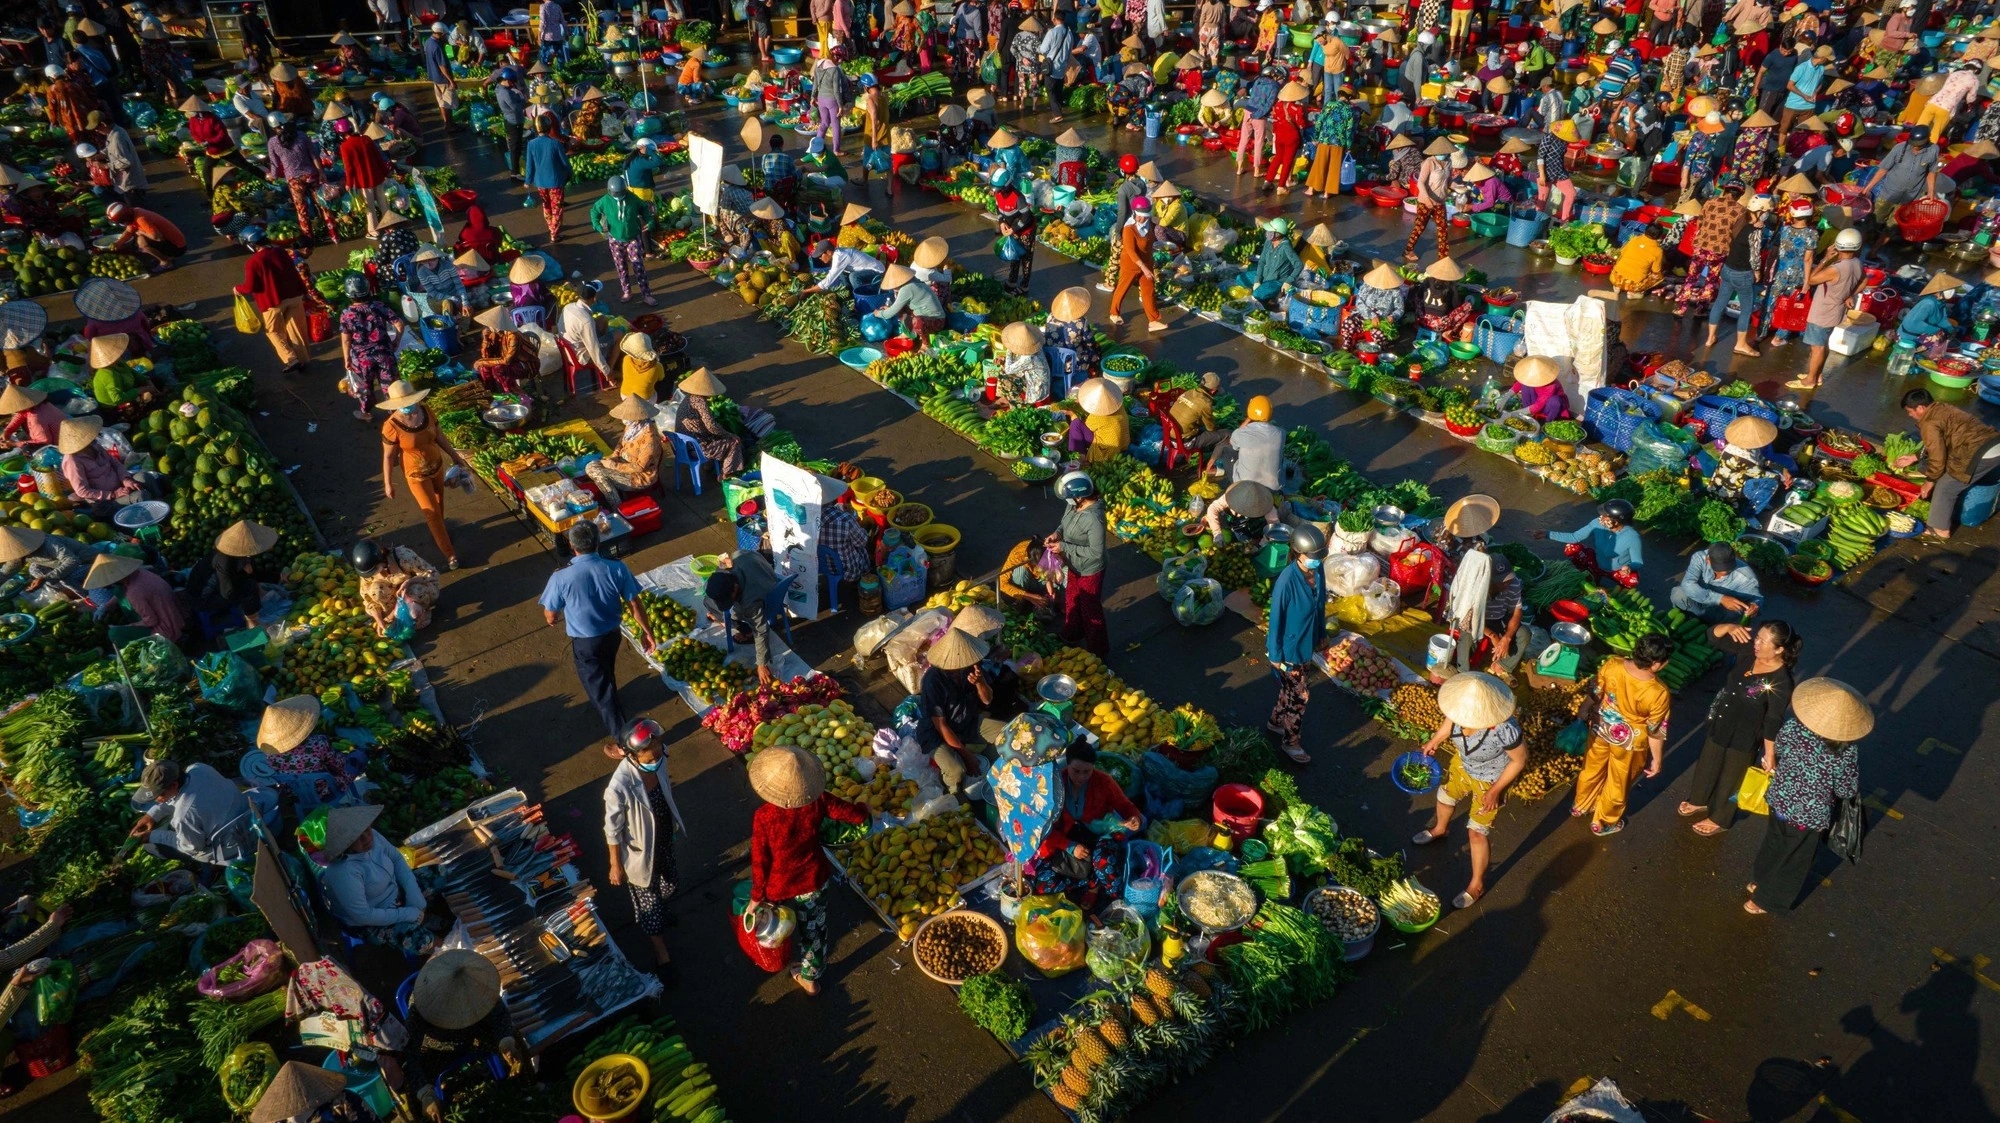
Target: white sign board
792	499
705	164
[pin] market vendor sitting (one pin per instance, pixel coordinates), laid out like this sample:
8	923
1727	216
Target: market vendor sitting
845	265
634	465
1379	296
1316	258
1718	587
1607	547
1215	113
1007	154
1069	162
1241	513
1193	412
31	202
301	759
694	419
1171	218
507	358
455	1012
955	694
1024	377
1536	385
1082	855
925	312
1441	307
1110	427
398	587
367	885
152	602
47	559
531	301
1744	469
117	383
1024	583
1927	325
197	815
96	479
31	418
436	277
1481	189
1278	264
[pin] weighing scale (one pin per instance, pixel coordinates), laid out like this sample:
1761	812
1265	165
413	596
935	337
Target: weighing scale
1563	658
1058	696
143	519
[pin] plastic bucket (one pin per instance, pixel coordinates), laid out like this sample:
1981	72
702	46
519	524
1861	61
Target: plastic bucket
1154	119
365	1083
1237	808
441	333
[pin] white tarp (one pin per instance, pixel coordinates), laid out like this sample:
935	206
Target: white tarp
705	172
1586	330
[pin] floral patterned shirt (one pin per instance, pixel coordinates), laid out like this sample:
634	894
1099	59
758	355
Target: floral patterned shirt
1810	776
371	330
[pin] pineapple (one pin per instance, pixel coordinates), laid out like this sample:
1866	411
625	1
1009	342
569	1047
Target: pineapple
1113	1032
1086	1044
1160	983
1188	1006
1144	1010
1065	1098
1075	1081
1198	984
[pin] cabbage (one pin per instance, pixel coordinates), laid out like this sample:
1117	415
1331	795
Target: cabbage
1304	836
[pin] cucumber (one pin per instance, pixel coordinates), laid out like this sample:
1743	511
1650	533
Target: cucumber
713	1113
686	1109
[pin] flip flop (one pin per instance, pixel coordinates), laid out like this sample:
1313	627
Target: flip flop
1751	908
1683	810
1297	756
1464	900
1711	832
1425	837
1802	384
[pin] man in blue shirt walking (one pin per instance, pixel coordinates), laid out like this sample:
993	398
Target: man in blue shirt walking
437	69
588	595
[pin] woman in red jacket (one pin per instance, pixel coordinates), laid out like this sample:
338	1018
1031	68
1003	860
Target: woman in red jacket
1288	126
273	283
1082	856
787	866
366	170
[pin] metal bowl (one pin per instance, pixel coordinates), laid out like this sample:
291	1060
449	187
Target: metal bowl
1388	515
1055	688
149	512
506	416
1036	469
1226	883
1575	635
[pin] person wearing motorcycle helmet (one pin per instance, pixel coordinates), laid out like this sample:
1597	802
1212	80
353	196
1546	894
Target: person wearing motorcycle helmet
622	218
1133	186
1256	450
640	819
1080	542
398	590
1607	547
1297	634
1256	123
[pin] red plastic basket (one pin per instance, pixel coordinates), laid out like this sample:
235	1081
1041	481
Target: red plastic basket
1237	807
1920	220
1569	611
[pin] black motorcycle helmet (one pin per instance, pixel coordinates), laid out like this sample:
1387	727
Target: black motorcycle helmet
1617	510
365	556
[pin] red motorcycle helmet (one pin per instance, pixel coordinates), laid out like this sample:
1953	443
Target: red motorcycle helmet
1129	164
1845	124
641	734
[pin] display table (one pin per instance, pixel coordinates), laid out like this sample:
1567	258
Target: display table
677	581
515	490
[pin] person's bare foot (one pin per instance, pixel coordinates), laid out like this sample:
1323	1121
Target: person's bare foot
1706	828
1686	809
1741	349
809	986
1751	908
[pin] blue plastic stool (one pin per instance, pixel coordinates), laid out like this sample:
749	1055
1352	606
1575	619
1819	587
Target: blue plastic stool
688	454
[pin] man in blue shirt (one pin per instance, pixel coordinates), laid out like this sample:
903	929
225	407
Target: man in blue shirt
437	70
1606	547
1718	587
588	595
512	101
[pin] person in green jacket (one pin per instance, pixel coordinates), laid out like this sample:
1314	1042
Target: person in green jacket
1278	263
622	218
116	383
641	168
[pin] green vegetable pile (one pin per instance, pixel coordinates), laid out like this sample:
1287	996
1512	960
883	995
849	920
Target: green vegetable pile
997	1004
1565	432
1290	961
956	414
1719	521
1016	432
1351	865
144	1065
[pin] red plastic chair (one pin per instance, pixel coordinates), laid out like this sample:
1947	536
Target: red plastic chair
575	364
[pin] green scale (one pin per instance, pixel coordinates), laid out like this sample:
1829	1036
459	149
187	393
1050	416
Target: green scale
1563	658
1058	696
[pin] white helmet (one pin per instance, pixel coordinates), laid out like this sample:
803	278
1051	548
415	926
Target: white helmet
1848	241
52	71
1426	38
439	29
85	151
1612	47
276	120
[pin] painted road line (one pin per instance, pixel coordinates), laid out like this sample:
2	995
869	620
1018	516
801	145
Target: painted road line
1927	744
1877	801
1666	1006
1978	963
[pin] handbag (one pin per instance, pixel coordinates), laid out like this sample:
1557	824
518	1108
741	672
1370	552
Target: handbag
1750	794
1849	825
248	320
319	324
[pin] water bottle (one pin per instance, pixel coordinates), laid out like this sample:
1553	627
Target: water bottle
1902	359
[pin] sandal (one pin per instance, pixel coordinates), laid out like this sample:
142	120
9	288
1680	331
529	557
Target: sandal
1801	384
1711	832
1687	809
1578	812
1296	756
1751	908
1601	831
1425	837
1465	900
1117	321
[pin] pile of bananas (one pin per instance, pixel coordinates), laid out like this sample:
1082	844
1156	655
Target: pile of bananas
1135	523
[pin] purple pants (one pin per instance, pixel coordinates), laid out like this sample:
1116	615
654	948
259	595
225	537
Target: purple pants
629	259
829	125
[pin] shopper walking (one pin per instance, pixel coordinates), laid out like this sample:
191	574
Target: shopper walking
294	161
640	820
1814	767
546	168
788	867
623	218
1488	753
1836	277
1743	723
273	284
1432	191
364	170
1297	633
369	330
588	595
1288	126
1960	452
1135	265
1628	736
1080	543
411	438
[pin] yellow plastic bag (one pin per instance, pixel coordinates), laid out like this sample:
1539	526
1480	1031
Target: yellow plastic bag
1049	933
248	320
1180	835
1750	797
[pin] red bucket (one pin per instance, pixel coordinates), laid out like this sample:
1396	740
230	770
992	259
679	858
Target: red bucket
1237	808
1569	612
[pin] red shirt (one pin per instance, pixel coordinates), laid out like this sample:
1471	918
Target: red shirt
1101	796
786	860
41	421
270	280
155	602
207	130
1288	118
363	163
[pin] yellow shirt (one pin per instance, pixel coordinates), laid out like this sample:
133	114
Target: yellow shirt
640	377
1631	710
1109	436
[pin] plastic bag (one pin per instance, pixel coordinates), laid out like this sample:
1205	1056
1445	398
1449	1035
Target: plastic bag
1217	238
259	967
155	664
1199	603
1176	572
405	624
228	681
990	68
1654	449
1574	738
248	320
1171	790
1347	575
1049	933
1382	599
1119	943
55	994
245	1073
1181	835
1750	796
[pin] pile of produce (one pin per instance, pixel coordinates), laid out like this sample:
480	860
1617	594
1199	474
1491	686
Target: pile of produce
834	733
63	642
220	473
955	413
956	946
1127	721
681	1089
1304	836
1408	905
1121	1044
885	793
409	804
1361	666
117	266
1543	713
1290	961
189	344
1353	865
704	669
45	267
1416	705
1620	617
1853	531
997	1004
1347	913
961	595
737	721
666	618
343	648
144	1064
1693	654
1017	432
913	871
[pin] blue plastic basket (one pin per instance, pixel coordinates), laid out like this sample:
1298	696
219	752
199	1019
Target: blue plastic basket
1715	412
1613	415
1524	228
1430	765
1497	337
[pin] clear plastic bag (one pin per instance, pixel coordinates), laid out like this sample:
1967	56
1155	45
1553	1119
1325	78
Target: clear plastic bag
229	682
1199	603
259	967
1119	943
1348	574
1382	599
154	663
1655	450
1176	572
1049	933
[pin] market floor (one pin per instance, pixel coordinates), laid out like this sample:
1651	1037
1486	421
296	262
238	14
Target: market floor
1627	957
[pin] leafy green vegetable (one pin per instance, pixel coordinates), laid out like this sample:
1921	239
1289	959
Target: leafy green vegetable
997	1004
1719	521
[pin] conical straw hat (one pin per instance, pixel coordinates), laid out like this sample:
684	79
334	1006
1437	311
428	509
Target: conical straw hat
1476	700
1832	709
788	777
298	1091
455	989
108	570
956	651
246	539
287	722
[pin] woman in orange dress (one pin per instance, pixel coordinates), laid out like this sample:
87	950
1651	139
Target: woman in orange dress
411	437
